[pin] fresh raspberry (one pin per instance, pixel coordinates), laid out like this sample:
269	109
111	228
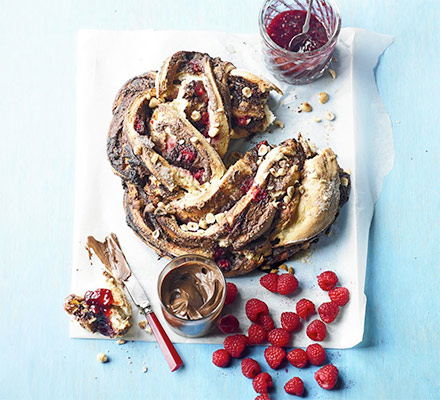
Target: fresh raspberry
266	322
290	321
231	292
274	356
328	312
262	382
339	296
327	280
327	376
235	345
316	354
304	308
228	324
269	281
256	334
316	330
295	386
278	337
254	308
263	396
250	368
287	284
297	357
221	358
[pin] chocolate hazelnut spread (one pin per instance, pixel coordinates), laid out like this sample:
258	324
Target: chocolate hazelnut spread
193	290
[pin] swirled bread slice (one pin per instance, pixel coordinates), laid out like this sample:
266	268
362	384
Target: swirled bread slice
105	310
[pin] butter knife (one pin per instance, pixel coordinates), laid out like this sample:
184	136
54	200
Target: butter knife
111	255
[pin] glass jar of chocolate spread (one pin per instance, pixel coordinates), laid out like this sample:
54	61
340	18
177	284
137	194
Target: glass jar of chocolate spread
192	291
280	20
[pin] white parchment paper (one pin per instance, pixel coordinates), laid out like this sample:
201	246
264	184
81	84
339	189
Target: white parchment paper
360	135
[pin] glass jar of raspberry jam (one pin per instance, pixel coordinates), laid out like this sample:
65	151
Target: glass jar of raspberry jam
280	20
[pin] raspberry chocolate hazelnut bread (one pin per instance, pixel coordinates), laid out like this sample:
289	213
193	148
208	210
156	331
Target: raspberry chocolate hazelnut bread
169	133
105	310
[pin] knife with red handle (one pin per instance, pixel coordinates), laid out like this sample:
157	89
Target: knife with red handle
122	271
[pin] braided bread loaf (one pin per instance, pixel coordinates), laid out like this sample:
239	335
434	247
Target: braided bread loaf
166	141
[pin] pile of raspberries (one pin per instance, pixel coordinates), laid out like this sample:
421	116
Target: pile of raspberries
263	330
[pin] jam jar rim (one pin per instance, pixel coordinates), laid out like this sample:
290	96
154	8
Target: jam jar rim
331	40
200	258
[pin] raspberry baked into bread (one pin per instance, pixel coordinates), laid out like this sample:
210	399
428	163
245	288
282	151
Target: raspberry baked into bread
169	132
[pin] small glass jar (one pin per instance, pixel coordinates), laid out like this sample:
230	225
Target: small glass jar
299	68
185	326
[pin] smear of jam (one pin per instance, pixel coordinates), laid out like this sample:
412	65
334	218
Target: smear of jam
99	302
290	23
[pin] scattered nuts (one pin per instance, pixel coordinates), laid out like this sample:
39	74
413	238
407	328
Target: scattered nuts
274	271
323	97
317	119
121	341
101	357
184	228
290	191
213	132
156	234
283	267
286	199
329	116
138	149
144	369
193	226
332	73
194	139
279	123
203	224
142	324
154	102
148	96
210	219
247	92
290	270
281	172
344	181
273	172
306	107
263	150
265	268
195	115
220	217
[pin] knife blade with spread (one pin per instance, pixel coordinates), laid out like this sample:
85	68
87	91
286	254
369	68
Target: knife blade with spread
111	255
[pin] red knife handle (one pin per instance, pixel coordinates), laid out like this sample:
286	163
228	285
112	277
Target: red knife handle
168	350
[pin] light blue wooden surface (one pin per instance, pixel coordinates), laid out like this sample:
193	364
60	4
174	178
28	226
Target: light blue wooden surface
399	357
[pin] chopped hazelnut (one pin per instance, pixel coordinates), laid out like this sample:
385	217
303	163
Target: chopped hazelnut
210	218
195	115
306	107
332	73
247	92
279	123
323	97
101	357
263	150
329	115
154	102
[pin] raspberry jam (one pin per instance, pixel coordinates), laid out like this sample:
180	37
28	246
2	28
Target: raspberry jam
280	20
290	23
99	302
